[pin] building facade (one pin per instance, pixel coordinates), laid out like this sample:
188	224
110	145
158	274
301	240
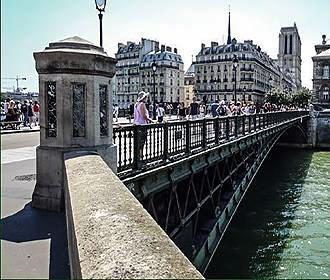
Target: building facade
256	73
289	53
134	72
321	73
189	85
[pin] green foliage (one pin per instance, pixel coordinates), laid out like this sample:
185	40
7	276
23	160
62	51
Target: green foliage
277	96
302	97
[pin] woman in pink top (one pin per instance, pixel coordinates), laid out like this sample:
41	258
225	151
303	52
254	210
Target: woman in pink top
141	116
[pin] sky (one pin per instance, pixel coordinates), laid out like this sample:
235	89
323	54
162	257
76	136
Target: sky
28	26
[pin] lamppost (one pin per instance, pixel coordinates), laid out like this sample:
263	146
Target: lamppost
235	63
244	90
100	6
154	68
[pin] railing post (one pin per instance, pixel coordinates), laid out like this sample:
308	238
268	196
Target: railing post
136	147
216	130
250	123
187	137
243	124
227	128
236	126
255	122
204	133
165	152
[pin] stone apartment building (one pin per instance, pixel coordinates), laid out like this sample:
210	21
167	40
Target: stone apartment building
189	83
321	73
256	72
134	72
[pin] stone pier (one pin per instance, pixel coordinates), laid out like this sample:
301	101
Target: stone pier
75	97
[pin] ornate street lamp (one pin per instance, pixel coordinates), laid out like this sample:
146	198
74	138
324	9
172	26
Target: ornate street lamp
244	90
100	6
235	63
154	69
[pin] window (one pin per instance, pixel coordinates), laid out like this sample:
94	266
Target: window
326	72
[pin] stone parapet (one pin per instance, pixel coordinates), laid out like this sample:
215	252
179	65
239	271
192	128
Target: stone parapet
110	234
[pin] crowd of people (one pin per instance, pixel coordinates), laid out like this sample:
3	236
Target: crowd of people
199	109
15	111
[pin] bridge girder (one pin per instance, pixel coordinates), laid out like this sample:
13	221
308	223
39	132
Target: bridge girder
195	198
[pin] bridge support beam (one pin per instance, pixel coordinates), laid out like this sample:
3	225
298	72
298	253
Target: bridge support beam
76	106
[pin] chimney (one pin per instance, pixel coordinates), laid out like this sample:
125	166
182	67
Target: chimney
156	47
323	41
162	48
202	46
168	49
214	44
175	50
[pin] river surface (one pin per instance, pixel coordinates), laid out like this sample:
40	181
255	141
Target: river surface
282	227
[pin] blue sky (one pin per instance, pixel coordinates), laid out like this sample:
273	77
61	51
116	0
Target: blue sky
29	25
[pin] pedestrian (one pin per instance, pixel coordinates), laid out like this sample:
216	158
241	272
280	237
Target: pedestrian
6	105
160	113
193	109
214	108
36	111
182	111
222	109
141	117
131	112
30	114
116	112
202	110
24	110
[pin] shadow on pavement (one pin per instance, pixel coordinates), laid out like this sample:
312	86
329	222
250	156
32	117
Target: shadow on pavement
30	224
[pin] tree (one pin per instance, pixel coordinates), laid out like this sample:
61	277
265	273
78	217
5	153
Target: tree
302	97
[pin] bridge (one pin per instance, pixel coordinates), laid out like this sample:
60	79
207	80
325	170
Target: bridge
129	191
192	175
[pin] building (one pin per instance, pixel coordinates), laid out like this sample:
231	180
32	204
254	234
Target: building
321	76
189	83
129	58
256	72
169	74
289	54
134	72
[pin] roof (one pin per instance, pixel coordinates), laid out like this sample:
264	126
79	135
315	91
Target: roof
75	44
324	54
130	47
159	56
191	70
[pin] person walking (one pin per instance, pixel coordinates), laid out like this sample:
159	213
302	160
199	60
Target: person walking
182	111
30	114
193	109
116	112
160	113
36	111
24	110
214	108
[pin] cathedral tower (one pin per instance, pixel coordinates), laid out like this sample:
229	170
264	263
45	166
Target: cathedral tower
289	54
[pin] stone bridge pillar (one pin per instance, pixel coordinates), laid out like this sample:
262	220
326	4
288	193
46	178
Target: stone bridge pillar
76	112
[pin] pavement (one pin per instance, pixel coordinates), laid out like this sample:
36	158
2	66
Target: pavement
33	242
22	129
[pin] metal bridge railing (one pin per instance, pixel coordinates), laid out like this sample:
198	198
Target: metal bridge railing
142	146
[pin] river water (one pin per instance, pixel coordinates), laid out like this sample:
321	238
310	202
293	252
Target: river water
282	227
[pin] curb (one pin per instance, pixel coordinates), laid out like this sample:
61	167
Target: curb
19	131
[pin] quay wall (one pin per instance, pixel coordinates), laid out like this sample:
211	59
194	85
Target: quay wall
110	234
319	129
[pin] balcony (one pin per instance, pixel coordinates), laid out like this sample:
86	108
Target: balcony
247	80
247	69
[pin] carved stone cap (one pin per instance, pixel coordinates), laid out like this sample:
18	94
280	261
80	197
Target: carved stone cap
74	55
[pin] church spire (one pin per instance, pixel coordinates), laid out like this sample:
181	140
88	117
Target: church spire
229	36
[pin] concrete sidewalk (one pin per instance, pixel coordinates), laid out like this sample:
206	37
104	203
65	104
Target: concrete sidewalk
21	130
33	241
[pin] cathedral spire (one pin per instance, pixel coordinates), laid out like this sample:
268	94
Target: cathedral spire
229	36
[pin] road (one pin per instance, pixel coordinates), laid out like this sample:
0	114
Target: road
33	242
